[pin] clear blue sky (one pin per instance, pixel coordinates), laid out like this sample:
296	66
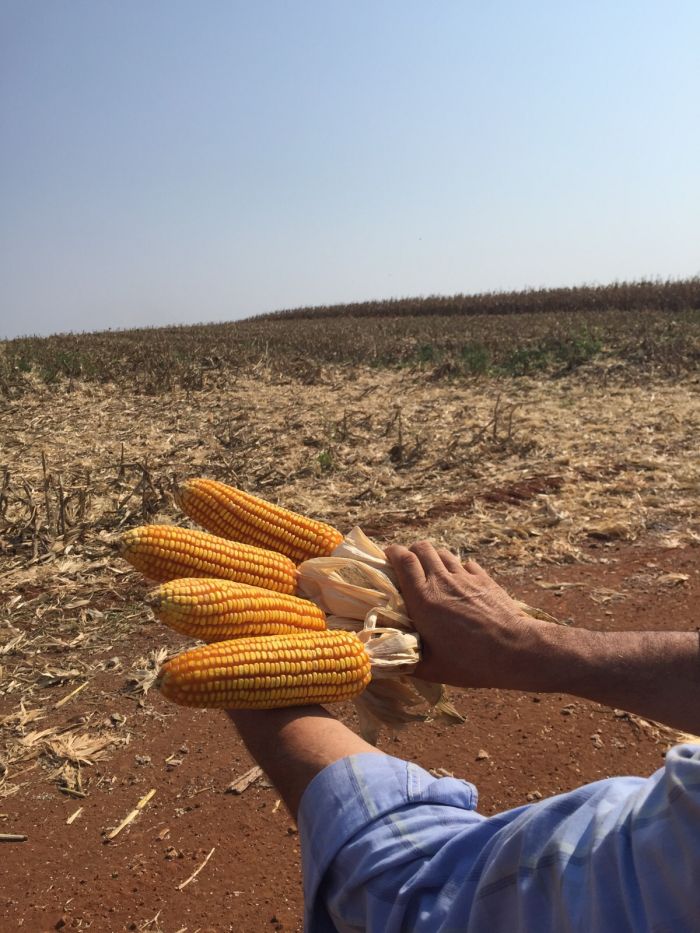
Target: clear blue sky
170	161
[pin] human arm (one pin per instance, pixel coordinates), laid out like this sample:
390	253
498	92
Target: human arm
387	846
474	635
293	745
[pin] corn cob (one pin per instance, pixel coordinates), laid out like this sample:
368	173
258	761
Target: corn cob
239	516
215	610
165	552
268	672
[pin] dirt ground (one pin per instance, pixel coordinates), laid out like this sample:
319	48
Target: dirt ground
582	500
536	744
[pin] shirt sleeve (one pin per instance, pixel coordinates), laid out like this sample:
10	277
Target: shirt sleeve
388	847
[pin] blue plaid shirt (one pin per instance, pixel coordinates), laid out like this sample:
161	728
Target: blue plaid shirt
387	847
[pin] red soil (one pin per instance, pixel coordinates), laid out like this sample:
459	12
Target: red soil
69	877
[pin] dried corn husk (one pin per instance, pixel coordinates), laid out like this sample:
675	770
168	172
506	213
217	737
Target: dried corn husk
357	589
391	651
355	579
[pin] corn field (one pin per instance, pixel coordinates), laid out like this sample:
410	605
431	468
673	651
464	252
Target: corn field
630	331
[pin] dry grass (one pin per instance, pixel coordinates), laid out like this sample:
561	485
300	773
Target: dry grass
536	466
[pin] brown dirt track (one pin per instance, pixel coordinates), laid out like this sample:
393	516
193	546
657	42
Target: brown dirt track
640	569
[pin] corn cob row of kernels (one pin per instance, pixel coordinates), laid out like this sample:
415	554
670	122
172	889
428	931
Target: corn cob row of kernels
216	610
167	552
240	516
233	588
268	672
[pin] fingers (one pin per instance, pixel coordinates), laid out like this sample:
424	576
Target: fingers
431	561
429	558
475	569
450	560
406	566
413	566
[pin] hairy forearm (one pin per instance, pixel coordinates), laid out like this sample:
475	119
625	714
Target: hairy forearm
475	635
293	745
654	674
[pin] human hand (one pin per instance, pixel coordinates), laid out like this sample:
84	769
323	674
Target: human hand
473	634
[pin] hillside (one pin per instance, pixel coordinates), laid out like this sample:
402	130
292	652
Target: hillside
629	330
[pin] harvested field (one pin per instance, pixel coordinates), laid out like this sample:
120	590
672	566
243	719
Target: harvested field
628	331
581	493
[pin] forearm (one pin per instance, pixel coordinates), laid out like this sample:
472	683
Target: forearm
293	745
654	674
475	635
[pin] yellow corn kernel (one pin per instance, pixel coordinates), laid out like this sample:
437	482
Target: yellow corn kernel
216	610
166	552
268	672
239	516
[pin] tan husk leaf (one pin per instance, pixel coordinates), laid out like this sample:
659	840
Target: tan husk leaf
391	651
357	587
357	546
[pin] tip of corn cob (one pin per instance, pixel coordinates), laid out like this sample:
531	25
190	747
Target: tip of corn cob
154	599
125	541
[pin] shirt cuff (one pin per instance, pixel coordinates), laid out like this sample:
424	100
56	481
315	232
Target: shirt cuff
355	791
